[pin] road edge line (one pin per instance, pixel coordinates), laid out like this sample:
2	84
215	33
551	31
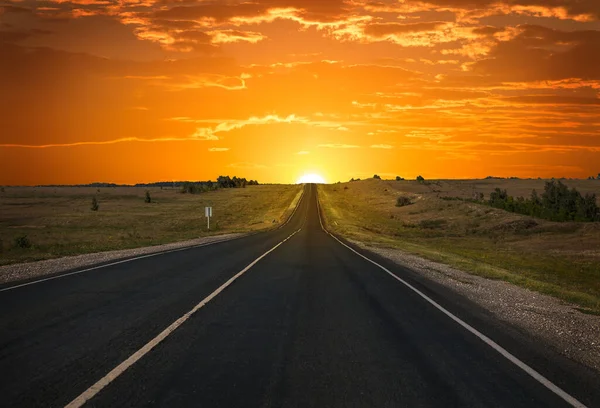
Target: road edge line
135	258
501	350
92	391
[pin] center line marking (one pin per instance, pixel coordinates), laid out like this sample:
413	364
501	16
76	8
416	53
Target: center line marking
121	368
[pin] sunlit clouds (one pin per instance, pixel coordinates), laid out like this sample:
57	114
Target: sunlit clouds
274	89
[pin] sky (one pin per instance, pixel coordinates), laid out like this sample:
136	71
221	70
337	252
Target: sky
132	91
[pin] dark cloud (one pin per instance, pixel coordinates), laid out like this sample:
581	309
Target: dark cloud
312	10
541	53
13	9
384	29
573	7
554	100
488	30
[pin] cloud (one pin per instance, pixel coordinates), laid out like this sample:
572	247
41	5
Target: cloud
205	134
233	36
537	53
302	152
382	146
94	143
218	149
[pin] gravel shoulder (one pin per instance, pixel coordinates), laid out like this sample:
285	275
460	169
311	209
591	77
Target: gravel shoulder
30	270
556	323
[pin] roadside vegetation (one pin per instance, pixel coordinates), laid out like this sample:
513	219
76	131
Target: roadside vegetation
47	222
556	203
454	222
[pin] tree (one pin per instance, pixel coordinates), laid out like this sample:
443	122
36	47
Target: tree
420	178
377	177
95	206
398	178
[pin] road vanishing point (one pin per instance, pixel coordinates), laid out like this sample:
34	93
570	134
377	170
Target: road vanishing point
292	317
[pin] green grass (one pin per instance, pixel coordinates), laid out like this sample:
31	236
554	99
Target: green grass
558	259
59	222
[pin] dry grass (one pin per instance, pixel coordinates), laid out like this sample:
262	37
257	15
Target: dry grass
561	259
59	221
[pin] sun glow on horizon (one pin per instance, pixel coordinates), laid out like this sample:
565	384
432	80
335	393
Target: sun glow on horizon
311	178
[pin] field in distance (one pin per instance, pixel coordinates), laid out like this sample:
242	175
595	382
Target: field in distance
47	222
556	258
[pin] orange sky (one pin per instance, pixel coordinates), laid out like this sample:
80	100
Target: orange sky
146	90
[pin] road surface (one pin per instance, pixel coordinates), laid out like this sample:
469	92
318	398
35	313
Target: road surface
293	318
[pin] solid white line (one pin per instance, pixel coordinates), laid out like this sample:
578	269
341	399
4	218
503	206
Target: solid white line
117	263
145	256
295	209
523	366
121	368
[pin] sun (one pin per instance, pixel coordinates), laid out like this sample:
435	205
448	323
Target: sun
311	178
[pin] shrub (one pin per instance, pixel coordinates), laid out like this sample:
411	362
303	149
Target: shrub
557	203
22	242
147	199
420	178
403	201
95	206
398	178
377	177
1	189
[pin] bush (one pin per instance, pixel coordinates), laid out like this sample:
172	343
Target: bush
95	206
557	203
377	177
420	178
403	201
147	199
22	242
1	189
398	178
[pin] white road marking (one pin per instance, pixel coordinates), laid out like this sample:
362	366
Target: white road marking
121	368
295	208
117	263
145	256
523	366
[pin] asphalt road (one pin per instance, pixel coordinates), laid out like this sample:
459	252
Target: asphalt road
311	324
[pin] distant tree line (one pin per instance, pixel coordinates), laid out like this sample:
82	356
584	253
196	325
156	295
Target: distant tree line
556	203
222	182
235	182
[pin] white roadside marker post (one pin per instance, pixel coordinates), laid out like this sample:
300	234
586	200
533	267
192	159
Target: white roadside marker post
208	214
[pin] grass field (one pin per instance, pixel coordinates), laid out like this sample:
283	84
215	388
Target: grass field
560	259
59	221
